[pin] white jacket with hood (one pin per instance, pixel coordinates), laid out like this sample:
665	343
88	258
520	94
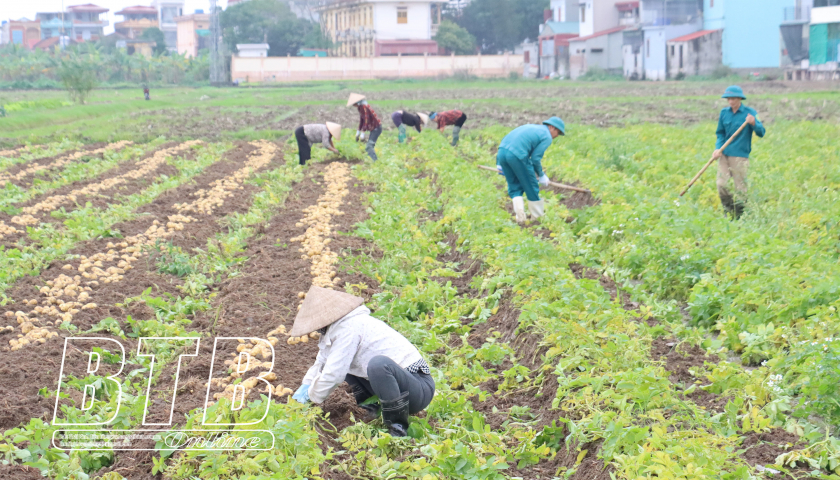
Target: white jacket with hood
349	345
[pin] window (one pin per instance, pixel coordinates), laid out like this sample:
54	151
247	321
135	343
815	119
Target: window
711	3
402	15
681	56
648	48
597	50
582	13
527	57
17	37
672	50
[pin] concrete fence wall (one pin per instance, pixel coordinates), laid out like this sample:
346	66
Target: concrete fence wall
284	69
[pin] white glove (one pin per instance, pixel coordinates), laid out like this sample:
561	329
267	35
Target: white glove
362	137
358	133
499	169
544	180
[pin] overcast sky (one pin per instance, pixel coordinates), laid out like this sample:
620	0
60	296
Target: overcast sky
15	9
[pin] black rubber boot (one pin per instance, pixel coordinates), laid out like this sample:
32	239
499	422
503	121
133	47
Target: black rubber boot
372	410
739	210
728	204
395	415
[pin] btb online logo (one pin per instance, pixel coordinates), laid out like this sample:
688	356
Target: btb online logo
158	433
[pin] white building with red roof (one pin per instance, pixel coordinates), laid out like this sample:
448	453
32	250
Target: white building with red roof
86	22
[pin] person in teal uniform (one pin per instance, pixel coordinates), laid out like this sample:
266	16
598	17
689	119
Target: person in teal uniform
734	162
520	161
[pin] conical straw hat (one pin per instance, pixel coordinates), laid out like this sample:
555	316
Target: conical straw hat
354	99
425	118
321	308
335	130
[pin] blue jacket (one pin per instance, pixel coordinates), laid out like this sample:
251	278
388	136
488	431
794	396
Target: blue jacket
528	143
729	123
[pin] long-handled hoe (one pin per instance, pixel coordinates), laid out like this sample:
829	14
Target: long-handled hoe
703	170
553	184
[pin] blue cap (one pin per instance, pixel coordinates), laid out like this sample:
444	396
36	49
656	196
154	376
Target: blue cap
556	123
734	92
432	115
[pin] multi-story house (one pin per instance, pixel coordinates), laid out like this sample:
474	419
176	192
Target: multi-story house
751	37
602	25
23	32
86	22
796	29
193	33
167	11
662	21
54	24
824	37
136	20
366	28
561	24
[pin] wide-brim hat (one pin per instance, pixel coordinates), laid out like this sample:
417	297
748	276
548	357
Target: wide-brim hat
354	99
321	308
556	123
734	91
424	118
335	130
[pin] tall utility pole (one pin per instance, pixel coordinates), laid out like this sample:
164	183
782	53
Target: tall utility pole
217	61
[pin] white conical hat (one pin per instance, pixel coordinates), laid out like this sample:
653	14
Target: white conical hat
354	99
425	118
321	308
335	130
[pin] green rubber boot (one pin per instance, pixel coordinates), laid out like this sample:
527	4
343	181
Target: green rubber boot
402	133
456	133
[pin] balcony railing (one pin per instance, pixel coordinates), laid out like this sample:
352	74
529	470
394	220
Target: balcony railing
797	14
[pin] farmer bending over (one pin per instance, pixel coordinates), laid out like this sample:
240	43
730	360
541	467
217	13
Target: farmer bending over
450	117
734	161
370	356
308	135
520	161
368	122
402	119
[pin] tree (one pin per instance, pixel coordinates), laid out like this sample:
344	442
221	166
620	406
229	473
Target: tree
500	25
155	34
78	74
454	38
269	21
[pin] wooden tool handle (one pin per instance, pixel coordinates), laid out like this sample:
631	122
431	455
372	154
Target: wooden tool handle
553	184
703	170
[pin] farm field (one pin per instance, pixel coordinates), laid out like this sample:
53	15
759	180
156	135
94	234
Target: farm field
630	333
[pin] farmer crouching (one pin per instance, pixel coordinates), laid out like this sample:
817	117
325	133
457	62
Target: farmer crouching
450	117
520	161
308	135
370	356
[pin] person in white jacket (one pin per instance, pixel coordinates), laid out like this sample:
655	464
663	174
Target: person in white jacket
373	358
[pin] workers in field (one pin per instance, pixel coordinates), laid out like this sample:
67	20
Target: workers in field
309	135
520	160
146	92
450	117
734	161
373	358
404	119
368	122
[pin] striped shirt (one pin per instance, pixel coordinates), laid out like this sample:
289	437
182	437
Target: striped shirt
368	121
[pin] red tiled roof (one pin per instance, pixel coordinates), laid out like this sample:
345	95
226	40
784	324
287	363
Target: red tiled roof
599	34
87	8
626	6
692	36
136	9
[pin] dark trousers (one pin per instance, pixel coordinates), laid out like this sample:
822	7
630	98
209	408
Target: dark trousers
461	120
304	148
371	143
387	380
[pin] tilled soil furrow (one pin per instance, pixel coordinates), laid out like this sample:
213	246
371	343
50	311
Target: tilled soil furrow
19	173
125	177
114	286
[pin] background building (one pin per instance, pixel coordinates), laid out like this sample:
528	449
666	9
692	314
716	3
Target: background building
662	21
193	33
365	28
53	24
23	32
824	35
561	24
136	20
796	29
87	23
751	37
167	11
697	53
